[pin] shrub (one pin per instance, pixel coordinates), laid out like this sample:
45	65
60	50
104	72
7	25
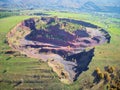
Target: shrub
4	71
8	58
5	41
110	69
107	76
97	70
101	75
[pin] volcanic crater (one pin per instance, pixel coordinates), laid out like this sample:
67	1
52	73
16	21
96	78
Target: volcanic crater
67	45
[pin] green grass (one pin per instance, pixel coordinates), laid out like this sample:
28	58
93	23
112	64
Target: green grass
106	54
15	69
6	24
21	68
82	16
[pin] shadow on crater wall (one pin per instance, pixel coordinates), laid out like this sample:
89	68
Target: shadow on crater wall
82	60
61	38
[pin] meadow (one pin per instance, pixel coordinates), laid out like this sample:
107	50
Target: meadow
21	72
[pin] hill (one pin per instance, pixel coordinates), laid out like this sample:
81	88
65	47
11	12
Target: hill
69	5
60	42
20	72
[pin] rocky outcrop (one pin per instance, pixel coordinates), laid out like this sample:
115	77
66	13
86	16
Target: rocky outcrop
65	51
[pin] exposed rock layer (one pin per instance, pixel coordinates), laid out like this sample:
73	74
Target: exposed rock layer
65	51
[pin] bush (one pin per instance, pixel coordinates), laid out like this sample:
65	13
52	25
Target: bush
112	77
97	70
4	71
110	69
101	75
107	76
8	58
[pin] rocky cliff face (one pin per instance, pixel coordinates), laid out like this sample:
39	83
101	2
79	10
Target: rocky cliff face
52	40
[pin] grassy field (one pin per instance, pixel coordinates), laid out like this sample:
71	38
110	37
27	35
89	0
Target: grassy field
14	70
27	73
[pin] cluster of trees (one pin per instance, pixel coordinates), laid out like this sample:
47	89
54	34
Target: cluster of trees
111	76
70	27
102	75
7	14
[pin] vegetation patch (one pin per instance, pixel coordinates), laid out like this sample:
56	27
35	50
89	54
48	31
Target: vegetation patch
110	76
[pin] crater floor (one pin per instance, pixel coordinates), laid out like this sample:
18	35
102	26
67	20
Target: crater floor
67	45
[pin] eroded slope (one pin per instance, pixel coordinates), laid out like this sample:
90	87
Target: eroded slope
66	44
